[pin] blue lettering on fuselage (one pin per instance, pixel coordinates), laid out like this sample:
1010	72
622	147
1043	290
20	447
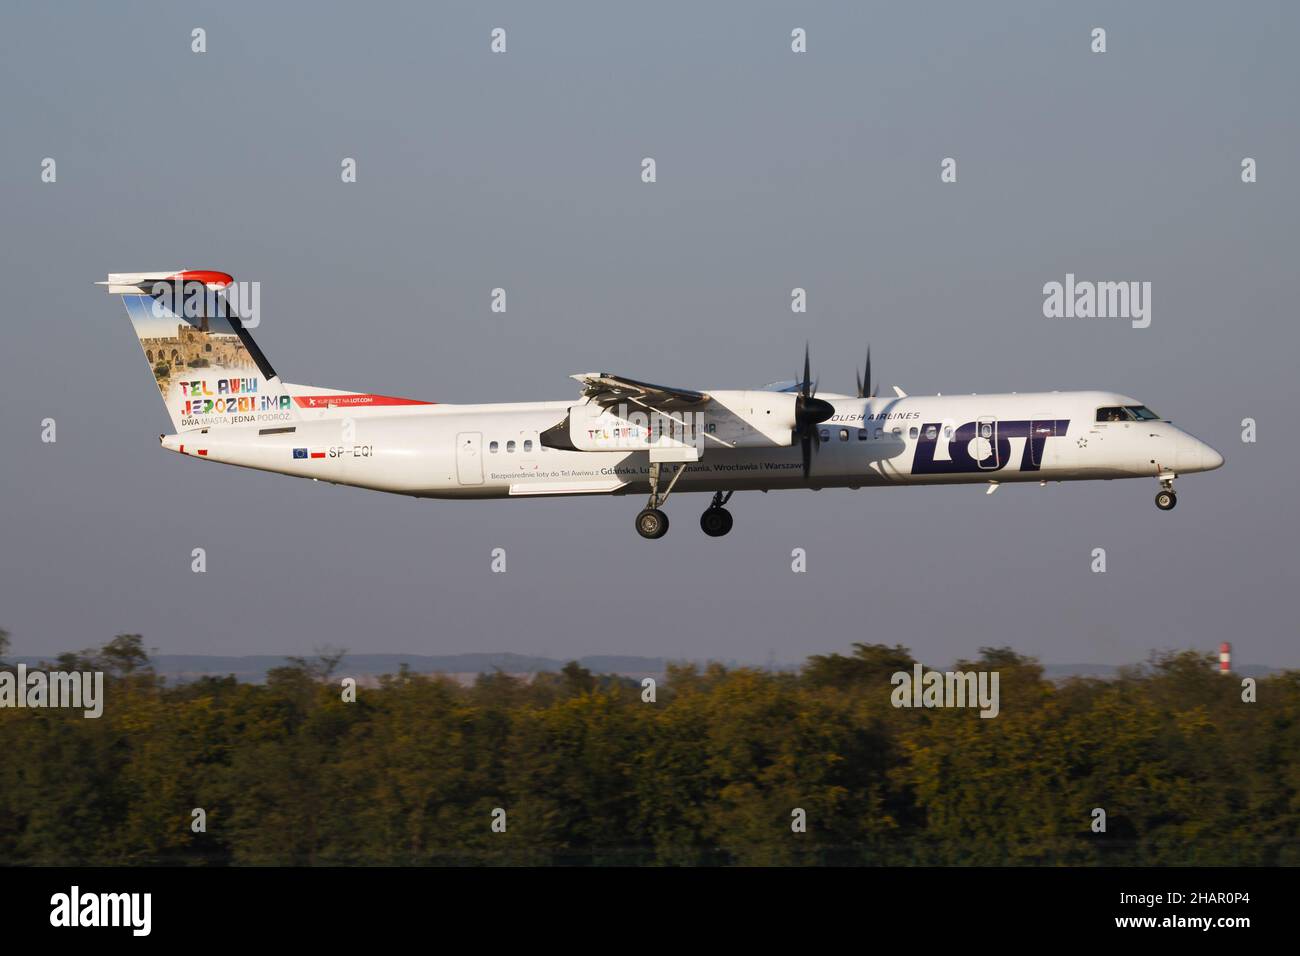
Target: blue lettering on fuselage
1036	431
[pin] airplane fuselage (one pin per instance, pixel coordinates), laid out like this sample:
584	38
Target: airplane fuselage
496	451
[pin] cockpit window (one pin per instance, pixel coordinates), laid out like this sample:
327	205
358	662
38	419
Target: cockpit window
1143	414
1126	413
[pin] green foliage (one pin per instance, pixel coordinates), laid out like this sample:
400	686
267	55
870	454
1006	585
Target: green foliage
588	773
869	665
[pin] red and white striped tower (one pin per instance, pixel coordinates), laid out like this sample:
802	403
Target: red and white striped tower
1225	657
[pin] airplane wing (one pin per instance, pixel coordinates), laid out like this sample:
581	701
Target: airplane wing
606	389
787	385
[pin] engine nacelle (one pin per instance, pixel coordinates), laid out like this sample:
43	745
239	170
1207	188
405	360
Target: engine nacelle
753	418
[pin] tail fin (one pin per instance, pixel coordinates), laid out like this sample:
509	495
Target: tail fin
207	366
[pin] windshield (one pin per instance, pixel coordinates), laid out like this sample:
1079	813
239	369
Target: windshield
1126	413
1143	414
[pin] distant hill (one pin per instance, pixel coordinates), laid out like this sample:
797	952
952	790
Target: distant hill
253	668
464	667
1108	671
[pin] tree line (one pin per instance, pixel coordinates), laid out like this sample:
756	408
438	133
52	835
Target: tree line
712	772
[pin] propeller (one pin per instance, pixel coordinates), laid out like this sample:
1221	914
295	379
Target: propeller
809	412
866	388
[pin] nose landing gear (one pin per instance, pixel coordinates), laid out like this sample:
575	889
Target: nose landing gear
1165	497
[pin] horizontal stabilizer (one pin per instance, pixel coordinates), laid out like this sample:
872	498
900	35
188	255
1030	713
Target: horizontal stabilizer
143	283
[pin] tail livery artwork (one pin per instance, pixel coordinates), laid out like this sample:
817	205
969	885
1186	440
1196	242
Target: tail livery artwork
622	436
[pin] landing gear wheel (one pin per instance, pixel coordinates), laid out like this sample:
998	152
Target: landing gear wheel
1165	500
652	523
716	522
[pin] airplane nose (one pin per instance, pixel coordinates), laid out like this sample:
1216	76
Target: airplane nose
1195	455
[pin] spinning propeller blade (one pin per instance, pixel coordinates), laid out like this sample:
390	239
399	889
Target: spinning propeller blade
809	412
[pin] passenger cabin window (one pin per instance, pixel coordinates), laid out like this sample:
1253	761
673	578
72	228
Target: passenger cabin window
862	434
947	431
844	434
510	448
528	444
898	430
878	431
931	433
913	432
492	447
826	434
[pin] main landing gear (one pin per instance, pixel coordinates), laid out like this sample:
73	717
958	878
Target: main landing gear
651	522
1165	497
716	521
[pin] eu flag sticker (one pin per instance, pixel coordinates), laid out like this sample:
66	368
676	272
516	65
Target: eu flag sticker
300	453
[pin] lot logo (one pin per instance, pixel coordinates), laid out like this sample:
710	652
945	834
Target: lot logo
1098	300
983	445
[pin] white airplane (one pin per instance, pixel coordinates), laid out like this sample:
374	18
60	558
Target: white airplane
622	436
